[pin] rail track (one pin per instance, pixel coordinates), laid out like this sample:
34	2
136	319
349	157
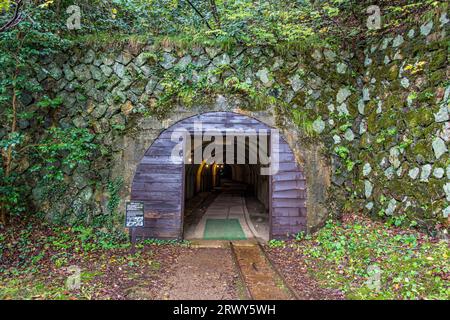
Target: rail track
259	276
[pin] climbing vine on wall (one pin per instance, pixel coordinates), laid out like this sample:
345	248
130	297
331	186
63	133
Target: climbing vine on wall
49	149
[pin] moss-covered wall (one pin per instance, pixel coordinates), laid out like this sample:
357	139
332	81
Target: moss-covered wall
126	96
403	166
370	128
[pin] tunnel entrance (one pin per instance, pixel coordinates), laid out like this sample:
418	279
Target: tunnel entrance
192	190
227	201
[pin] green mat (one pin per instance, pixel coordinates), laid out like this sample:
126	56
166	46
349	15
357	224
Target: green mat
223	229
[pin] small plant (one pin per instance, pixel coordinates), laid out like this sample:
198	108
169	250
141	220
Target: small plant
342	152
300	236
277	243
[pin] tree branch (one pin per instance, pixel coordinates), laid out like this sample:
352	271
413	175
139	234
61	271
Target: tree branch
200	14
15	20
215	12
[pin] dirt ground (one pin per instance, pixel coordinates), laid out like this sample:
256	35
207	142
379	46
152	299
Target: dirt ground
290	264
202	274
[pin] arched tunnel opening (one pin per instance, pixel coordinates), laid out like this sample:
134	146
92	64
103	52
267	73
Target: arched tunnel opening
227	199
190	190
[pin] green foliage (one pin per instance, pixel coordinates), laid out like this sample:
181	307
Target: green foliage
301	119
62	150
161	242
277	243
282	24
114	197
92	239
35	257
49	150
22	47
11	193
412	266
342	152
47	102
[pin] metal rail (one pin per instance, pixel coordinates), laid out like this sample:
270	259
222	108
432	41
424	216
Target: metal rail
241	274
290	289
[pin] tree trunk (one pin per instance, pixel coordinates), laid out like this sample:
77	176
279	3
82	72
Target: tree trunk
8	153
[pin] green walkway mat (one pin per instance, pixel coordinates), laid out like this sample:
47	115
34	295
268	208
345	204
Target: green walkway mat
223	229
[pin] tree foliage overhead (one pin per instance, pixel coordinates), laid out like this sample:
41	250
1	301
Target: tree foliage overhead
247	22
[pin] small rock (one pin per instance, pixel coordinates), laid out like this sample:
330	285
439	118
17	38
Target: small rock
446	212
222	60
404	82
439	147
368	188
438	173
426	28
363	127
317	55
168	61
366	94
443	19
318	125
108	60
442	114
341	68
263	76
413	173
389	172
99	110
54	71
367	169
79	122
398	40
336	139
212	52
296	83
89	57
107	71
392	205
425	174
394	152
119	70
343	94
385	43
398	56
96	73
184	62
361	106
141	59
342	109
447	190
349	135
124	58
68	73
329	55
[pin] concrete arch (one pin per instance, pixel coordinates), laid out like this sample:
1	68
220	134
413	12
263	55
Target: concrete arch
159	180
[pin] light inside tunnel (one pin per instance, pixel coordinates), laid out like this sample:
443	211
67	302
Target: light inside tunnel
210	182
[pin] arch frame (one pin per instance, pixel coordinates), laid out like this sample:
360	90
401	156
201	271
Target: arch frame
161	186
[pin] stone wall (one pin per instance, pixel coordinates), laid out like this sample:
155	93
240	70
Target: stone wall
115	94
404	131
370	128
